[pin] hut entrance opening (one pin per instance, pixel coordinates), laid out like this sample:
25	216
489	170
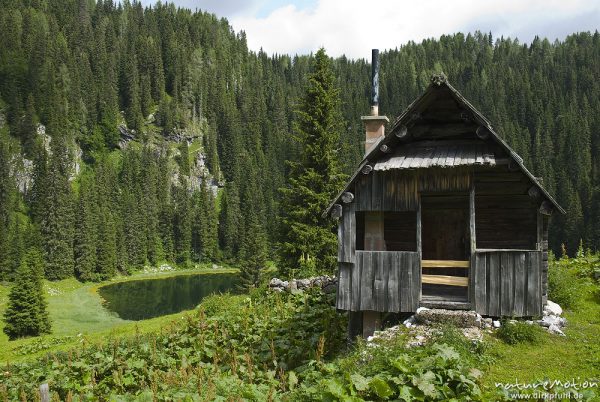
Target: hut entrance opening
446	247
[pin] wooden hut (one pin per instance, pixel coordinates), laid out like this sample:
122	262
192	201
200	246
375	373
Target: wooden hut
441	213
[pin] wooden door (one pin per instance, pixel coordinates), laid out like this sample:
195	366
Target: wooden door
445	238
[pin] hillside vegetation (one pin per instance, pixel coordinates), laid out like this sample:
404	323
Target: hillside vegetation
282	346
110	111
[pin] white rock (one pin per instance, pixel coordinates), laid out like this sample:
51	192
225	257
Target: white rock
549	320
275	283
496	324
554	329
421	309
553	308
409	322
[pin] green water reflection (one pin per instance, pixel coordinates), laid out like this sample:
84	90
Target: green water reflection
143	299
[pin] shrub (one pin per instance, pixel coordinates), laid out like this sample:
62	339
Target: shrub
513	332
564	287
469	350
432	372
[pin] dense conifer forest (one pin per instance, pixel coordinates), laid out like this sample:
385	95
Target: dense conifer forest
132	135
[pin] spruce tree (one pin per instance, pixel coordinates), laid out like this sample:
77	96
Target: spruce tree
57	219
26	314
7	202
314	179
253	254
85	229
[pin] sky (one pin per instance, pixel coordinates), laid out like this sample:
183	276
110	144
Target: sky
354	27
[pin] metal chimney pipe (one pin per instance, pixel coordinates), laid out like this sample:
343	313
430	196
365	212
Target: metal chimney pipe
375	82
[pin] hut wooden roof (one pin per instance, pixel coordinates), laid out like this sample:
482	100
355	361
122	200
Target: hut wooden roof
418	137
426	155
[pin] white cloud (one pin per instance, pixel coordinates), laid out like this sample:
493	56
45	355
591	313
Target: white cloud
353	27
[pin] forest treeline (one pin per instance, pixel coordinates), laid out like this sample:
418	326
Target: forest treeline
79	79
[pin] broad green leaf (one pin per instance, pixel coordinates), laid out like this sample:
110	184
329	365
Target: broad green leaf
425	383
380	388
292	380
405	393
360	383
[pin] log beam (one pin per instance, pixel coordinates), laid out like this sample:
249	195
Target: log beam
546	208
482	132
336	211
347	197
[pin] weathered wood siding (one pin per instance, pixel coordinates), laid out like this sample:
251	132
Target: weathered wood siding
347	234
545	220
397	191
387	281
386	191
507	283
506	216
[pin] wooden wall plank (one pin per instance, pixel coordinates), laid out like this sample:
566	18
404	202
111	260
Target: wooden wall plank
356	278
472	231
366	283
415	280
507	283
379	285
405	282
520	284
376	190
347	234
535	277
393	282
480	284
534	293
344	288
493	284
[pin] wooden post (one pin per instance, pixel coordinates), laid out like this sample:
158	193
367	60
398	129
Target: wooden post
540	230
374	240
419	249
44	393
473	241
374	231
355	327
371	322
472	233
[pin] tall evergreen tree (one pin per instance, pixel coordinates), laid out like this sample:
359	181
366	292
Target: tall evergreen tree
309	242
26	313
86	237
57	219
7	202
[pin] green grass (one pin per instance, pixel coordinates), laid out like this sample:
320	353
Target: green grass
556	358
78	316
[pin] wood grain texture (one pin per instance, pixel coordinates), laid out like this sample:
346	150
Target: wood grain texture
385	281
508	283
347	235
445	280
444	264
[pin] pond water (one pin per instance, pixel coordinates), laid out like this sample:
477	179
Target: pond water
143	299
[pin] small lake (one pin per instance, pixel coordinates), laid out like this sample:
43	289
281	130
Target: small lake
148	298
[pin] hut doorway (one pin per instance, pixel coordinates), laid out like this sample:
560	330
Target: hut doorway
445	247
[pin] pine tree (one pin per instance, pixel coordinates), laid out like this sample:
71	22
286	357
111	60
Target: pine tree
253	254
26	314
86	226
7	202
182	224
57	219
314	179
